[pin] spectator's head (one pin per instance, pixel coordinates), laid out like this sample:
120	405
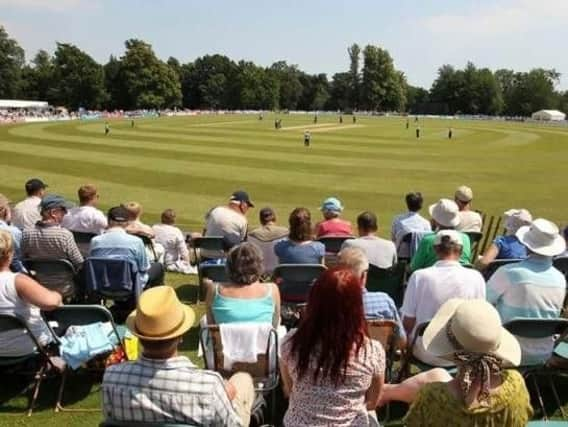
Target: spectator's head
331	208
448	245
356	260
267	216
5	212
159	321
118	217
565	233
542	237
463	197
240	202
333	327
53	208
367	223
35	187
169	217
88	195
414	201
300	222
469	333
134	211
6	249
445	214
515	219
244	264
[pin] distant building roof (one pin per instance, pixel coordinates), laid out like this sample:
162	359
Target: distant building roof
18	103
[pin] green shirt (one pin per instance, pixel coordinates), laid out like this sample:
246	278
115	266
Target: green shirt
425	255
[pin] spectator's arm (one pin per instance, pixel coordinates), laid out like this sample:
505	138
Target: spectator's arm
73	253
287	382
408	323
223	412
210	294
276	302
488	257
33	293
373	394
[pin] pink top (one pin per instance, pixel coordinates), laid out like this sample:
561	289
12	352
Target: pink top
334	227
324	404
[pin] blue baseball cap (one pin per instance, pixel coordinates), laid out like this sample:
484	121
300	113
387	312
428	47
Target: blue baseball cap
332	204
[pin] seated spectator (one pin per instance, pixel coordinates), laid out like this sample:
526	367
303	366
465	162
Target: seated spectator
136	226
483	392
332	225
469	220
117	242
244	298
15	232
47	239
165	387
377	305
86	218
176	257
380	252
565	235
444	217
532	288
429	288
266	236
299	248
331	370
228	222
409	222
23	296
507	246
26	213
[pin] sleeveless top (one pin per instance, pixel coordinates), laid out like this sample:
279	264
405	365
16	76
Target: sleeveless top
229	310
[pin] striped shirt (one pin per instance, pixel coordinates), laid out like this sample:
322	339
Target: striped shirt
531	288
167	391
50	241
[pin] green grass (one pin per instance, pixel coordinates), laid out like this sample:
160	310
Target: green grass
194	163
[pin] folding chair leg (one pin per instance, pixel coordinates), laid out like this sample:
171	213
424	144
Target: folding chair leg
555	393
59	406
538	393
38	379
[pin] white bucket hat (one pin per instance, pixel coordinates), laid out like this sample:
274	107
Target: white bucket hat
542	237
516	218
473	326
445	213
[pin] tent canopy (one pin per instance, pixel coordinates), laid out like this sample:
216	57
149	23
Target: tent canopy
548	115
16	103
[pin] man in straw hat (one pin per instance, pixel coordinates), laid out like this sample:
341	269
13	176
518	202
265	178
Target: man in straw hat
445	216
162	386
531	288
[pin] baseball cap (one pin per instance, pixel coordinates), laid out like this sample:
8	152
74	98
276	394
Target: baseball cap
118	214
34	184
332	204
453	236
54	201
241	196
464	194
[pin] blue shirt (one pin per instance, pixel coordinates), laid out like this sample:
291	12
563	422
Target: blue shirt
229	309
510	247
117	242
16	233
408	222
289	252
379	305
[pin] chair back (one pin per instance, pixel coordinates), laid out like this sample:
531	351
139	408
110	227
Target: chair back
296	280
16	323
215	272
55	274
333	243
561	264
209	247
536	328
474	241
383	331
115	278
494	266
388	280
149	245
83	241
403	247
264	371
266	247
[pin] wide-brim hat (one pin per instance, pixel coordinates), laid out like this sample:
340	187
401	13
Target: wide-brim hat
542	237
473	326
445	212
160	315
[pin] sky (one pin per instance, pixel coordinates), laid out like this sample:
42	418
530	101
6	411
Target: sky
421	35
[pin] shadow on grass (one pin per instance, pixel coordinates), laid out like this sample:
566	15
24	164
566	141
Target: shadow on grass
188	293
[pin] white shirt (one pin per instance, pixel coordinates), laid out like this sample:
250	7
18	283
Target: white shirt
469	221
26	213
409	222
85	219
380	252
171	238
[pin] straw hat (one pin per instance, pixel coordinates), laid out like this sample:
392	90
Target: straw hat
445	213
542	237
464	194
475	326
160	315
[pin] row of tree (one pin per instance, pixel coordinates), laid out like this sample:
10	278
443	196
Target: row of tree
139	79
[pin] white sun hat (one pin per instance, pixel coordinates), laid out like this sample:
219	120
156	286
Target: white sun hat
445	213
516	218
542	237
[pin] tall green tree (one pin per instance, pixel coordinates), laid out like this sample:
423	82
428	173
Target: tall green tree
257	88
382	85
354	52
11	63
417	99
290	87
37	77
339	91
315	93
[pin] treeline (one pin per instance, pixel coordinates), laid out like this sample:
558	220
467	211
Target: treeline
140	80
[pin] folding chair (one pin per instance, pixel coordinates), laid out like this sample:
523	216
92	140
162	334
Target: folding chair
215	244
539	328
214	272
404	244
474	241
561	264
55	274
390	281
494	266
13	322
148	244
113	423
83	241
332	247
264	371
78	315
115	278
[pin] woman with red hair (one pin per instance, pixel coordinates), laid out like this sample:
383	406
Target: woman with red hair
331	370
